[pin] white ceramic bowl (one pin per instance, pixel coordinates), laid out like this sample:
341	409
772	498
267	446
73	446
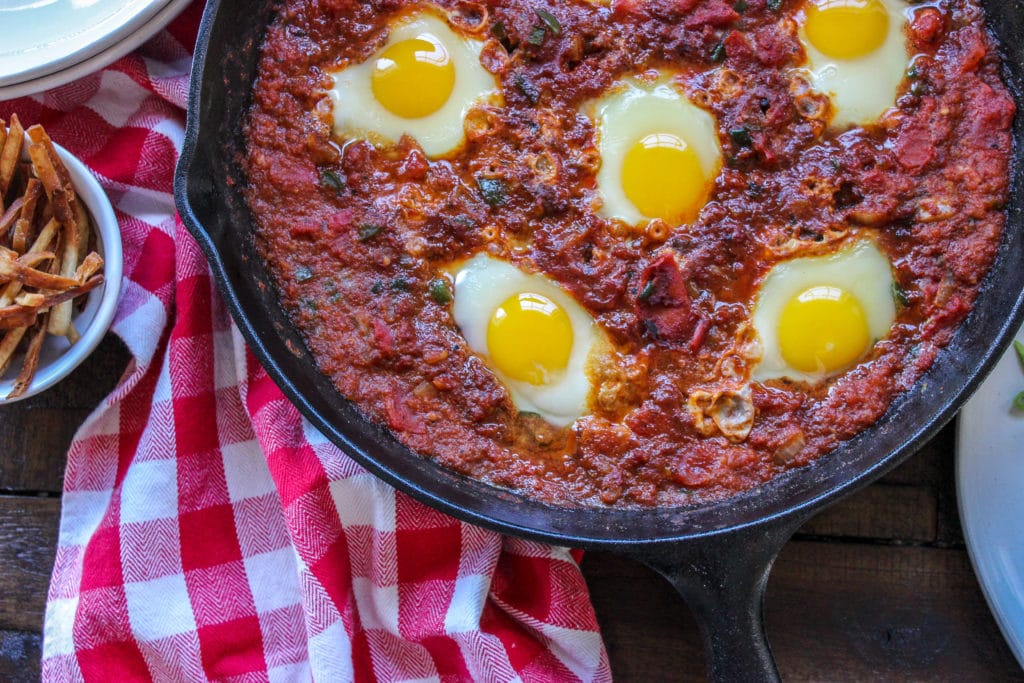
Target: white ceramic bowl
58	357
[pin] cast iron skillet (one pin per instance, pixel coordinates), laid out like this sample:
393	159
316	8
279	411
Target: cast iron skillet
717	556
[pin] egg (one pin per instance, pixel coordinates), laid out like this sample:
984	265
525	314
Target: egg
421	83
660	153
817	316
533	336
857	55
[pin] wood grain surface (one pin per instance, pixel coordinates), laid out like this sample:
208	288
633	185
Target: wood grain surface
878	587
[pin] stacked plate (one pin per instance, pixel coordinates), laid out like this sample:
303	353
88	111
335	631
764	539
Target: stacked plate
47	43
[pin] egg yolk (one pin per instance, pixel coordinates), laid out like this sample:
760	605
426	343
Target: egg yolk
662	176
823	329
529	338
846	29
414	78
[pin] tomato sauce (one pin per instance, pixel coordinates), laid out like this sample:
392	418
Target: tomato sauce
357	236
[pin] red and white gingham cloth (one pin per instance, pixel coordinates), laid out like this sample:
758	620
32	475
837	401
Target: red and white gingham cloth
207	531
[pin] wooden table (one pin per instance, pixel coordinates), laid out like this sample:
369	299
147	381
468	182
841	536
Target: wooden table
879	587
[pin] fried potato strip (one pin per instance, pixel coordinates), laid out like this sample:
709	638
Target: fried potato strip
45	257
9	154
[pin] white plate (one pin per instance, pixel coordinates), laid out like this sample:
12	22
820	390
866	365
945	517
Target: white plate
990	488
44	36
166	11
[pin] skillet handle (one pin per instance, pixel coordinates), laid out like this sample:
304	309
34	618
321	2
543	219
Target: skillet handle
723	579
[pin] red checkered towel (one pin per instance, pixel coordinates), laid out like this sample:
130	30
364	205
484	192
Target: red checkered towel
208	532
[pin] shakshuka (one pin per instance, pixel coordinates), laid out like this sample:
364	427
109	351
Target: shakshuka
628	253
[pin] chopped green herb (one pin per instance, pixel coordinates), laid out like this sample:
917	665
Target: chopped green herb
740	6
647	291
551	22
912	72
498	30
754	189
718	52
537	35
775	5
527	87
308	305
834	163
367	231
400	284
302	273
900	294
493	190
741	136
918	88
439	292
332	180
377	287
1018	400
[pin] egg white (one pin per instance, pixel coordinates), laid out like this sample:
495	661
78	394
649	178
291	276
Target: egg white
860	269
358	114
482	284
631	111
864	88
